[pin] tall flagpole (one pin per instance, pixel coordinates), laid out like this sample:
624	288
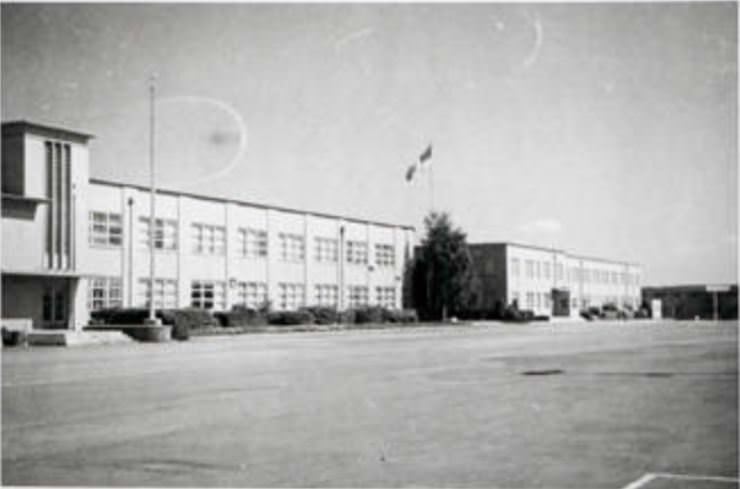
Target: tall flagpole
431	187
152	90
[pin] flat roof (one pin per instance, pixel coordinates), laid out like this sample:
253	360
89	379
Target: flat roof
554	250
145	188
18	127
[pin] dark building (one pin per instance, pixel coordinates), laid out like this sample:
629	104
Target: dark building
692	301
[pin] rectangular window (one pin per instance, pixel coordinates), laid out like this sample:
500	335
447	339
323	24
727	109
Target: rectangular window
546	300
515	267
546	269
559	271
530	300
357	252
208	294
614	277
384	255
104	292
291	247
208	239
290	296
252	243
251	294
529	268
385	297
105	229
326	250
165	233
537	269
357	295
326	295
165	293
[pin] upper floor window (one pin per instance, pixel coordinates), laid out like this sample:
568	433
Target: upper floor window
384	255
559	271
105	229
529	268
515	267
165	233
291	247
326	250
208	239
252	243
546	269
356	252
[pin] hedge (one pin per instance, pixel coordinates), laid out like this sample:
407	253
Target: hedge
240	316
181	320
286	318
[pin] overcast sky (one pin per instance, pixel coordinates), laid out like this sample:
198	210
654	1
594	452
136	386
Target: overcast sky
603	129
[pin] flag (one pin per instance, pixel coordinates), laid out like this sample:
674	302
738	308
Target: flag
427	154
410	172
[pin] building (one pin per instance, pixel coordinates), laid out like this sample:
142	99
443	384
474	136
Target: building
72	244
694	301
549	281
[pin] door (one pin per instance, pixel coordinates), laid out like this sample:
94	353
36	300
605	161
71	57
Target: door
55	312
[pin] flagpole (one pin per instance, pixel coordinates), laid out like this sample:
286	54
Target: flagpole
431	188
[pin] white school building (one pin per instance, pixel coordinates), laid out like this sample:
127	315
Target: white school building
72	244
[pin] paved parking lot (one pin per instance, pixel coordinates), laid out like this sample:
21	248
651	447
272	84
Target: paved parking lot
552	406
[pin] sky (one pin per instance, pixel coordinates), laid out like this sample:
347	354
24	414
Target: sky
603	129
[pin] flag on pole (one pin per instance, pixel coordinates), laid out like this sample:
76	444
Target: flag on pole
426	155
419	164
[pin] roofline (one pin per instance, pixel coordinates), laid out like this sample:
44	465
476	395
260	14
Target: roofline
10	127
557	250
145	188
686	286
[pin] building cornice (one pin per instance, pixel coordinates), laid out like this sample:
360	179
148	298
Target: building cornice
12	128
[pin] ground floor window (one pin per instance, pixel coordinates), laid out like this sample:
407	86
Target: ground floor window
208	294
385	296
252	294
357	295
165	293
104	292
530	300
326	295
290	296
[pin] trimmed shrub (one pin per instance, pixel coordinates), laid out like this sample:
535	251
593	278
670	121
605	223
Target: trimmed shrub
369	314
401	316
240	316
323	314
13	337
347	316
289	318
181	320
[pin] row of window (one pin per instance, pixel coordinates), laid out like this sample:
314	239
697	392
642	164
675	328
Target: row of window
533	300
105	292
535	269
106	229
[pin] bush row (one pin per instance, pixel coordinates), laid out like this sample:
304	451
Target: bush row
316	315
181	320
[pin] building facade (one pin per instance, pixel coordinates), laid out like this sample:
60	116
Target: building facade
549	281
694	301
72	244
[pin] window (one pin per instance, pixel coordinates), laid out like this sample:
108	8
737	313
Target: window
538	297
290	296
326	295
291	247
559	271
529	268
546	300
165	233
104	292
546	269
614	277
252	243
530	300
357	295
357	252
385	296
105	229
208	239
326	250
537	269
208	294
251	294
586	275
515	267
384	255
165	293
